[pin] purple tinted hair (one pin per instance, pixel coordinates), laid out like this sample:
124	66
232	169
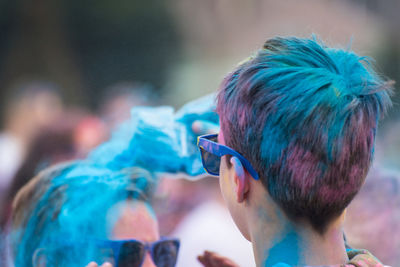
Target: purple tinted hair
305	115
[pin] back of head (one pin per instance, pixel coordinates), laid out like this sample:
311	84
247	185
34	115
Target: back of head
306	116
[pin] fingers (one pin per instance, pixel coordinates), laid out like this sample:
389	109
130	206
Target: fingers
212	259
203	259
93	264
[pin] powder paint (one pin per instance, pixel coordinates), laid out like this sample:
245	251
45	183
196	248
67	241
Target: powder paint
72	210
289	245
158	139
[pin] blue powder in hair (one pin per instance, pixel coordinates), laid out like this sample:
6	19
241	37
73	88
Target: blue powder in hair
76	197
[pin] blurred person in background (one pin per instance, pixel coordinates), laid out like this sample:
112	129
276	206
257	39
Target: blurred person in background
298	123
373	217
69	137
153	139
54	144
30	107
388	146
74	213
195	213
175	198
121	97
89	132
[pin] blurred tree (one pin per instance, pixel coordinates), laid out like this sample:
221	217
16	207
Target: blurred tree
37	47
86	45
122	40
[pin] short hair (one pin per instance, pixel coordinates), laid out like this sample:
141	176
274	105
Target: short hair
70	201
305	116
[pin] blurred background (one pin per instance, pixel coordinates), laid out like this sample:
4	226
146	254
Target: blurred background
71	70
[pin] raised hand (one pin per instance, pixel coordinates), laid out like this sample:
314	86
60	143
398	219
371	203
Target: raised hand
94	264
212	259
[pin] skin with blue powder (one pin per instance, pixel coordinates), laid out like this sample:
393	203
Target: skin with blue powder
274	236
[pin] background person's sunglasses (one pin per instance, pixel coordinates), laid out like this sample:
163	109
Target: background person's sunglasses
131	253
211	153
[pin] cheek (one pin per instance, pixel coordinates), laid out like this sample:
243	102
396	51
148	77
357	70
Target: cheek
222	185
222	175
224	180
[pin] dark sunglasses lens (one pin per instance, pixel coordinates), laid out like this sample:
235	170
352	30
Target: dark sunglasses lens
211	162
165	253
131	254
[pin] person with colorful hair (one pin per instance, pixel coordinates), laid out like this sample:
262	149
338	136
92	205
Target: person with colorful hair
77	214
97	211
298	124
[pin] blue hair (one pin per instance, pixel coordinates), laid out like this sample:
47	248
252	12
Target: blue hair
72	211
305	115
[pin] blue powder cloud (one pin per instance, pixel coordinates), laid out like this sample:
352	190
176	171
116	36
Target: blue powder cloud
158	139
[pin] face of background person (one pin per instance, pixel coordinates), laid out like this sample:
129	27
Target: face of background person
134	220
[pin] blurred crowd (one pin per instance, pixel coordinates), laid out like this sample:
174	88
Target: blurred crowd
40	130
183	48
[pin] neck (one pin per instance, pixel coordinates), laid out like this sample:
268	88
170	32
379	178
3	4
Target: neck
280	240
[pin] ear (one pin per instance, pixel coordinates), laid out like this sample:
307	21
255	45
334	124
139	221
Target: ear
240	180
344	214
39	258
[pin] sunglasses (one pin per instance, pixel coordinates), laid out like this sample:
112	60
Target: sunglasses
211	153
131	253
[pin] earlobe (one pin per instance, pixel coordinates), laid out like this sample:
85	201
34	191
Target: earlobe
39	258
241	186
344	214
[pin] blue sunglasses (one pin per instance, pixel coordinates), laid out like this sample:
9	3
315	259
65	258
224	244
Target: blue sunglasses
131	253
122	253
211	153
